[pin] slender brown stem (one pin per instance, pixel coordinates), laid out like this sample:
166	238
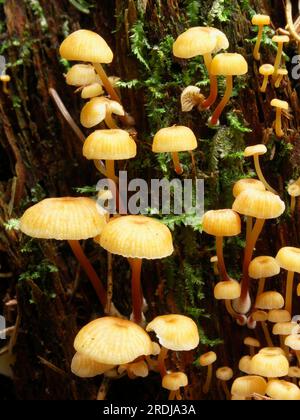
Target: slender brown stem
289	291
136	267
229	87
208	379
261	175
258	227
249	227
221	263
177	164
106	82
256	53
110	284
213	93
110	122
172	395
267	334
293	205
226	390
162	361
110	170
261	287
89	270
278	124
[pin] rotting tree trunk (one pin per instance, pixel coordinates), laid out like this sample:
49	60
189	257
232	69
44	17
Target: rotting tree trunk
40	156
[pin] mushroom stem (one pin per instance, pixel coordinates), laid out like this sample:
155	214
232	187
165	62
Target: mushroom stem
110	170
278	60
5	88
278	123
207	384
110	284
226	390
221	263
261	287
252	351
161	361
278	81
293	205
106	82
267	334
256	53
213	93
249	227
110	122
172	395
298	357
283	346
89	270
264	84
258	227
261	175
218	111
177	164
136	267
289	291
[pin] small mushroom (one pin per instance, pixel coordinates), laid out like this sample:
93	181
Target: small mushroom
190	98
173	382
283	391
81	75
247	386
280	106
5	79
266	70
92	91
262	268
225	374
98	110
260	21
253	344
294	192
280	40
228	65
284	329
207	360
270	363
245	365
293	341
281	73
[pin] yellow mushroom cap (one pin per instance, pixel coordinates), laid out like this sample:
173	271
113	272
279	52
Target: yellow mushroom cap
84	367
81	75
294	372
84	45
282	72
175	332
260	316
245	184
276	103
286	328
94	112
222	223
272	351
249	385
252	342
5	78
259	204
113	341
227	290
175	381
283	391
266	69
269	365
195	41
258	149
279	315
138	369
293	341
227	64
270	300
294	190
61	219
109	145
245	365
207	359
280	39
263	267
137	237
224	374
92	91
289	259
174	139
261	20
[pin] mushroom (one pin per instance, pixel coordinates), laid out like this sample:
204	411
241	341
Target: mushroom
203	41
284	329
266	70
289	259
225	374
174	140
137	238
255	152
61	219
262	317
261	205
252	343
92	91
270	363
293	341
262	268
207	360
260	21
228	65
190	98
294	373
279	105
81	75
281	73
85	367
283	391
245	365
109	145
5	79
294	192
280	40
173	382
113	341
98	110
279	315
269	300
246	386
135	370
176	333
87	46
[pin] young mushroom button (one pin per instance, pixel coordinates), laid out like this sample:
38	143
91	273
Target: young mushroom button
207	360
279	106
266	70
260	21
173	382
